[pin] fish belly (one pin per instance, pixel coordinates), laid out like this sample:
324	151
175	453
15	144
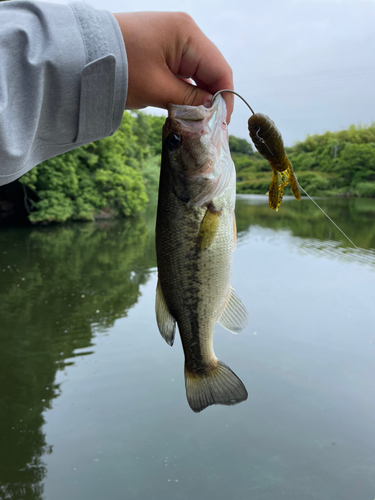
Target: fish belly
194	282
195	285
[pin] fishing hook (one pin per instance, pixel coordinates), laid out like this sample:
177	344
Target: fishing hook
235	93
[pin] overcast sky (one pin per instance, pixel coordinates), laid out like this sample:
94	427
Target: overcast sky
308	64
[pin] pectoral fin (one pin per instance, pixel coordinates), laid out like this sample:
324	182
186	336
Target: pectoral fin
209	227
234	316
166	322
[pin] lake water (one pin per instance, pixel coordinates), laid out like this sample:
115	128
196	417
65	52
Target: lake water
92	400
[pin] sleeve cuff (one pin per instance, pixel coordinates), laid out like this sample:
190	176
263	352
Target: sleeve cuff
69	76
104	78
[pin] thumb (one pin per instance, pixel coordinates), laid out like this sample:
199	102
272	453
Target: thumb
181	91
175	90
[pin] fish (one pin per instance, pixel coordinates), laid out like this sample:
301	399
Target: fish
269	143
195	241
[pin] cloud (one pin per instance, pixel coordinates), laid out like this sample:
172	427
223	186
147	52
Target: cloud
310	63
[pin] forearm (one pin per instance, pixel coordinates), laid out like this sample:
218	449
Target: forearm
63	81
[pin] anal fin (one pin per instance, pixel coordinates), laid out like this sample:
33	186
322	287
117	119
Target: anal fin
234	316
166	322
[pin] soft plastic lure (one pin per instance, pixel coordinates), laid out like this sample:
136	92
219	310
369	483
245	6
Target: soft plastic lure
269	142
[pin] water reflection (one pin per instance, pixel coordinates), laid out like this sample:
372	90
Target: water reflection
308	228
59	286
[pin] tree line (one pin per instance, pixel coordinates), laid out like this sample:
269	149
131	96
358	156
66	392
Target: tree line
118	175
330	164
115	176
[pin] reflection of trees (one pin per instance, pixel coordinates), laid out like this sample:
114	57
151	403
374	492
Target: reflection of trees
354	216
58	286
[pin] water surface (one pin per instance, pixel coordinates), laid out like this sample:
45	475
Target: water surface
92	399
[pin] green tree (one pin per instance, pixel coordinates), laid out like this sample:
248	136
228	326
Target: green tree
356	164
242	146
148	130
333	163
100	178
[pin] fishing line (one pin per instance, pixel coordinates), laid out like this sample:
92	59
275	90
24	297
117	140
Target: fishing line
329	218
306	193
247	104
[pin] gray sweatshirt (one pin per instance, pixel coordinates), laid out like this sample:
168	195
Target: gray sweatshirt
63	81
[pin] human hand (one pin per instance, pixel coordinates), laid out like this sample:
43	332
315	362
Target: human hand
165	51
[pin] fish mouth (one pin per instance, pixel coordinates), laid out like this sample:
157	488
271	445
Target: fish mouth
192	113
195	121
197	160
198	123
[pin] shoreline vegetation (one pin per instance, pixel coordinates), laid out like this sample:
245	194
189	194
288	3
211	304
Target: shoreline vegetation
119	175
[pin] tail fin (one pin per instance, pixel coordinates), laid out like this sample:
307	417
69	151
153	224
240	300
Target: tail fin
219	387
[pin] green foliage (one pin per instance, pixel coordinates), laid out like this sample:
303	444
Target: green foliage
258	185
366	189
148	130
237	145
151	174
109	177
314	183
117	175
356	164
334	163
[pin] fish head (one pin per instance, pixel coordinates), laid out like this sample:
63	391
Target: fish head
196	151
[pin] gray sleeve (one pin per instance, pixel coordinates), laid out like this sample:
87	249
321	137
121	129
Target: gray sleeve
63	81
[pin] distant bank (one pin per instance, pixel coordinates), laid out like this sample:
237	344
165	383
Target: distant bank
332	164
118	175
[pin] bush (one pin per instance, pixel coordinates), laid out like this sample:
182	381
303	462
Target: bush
366	189
101	177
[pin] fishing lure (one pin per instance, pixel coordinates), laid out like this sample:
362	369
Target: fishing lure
268	141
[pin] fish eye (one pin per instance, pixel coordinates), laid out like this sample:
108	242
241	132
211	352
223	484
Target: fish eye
173	141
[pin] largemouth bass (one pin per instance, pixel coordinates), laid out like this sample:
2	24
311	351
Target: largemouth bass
195	240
